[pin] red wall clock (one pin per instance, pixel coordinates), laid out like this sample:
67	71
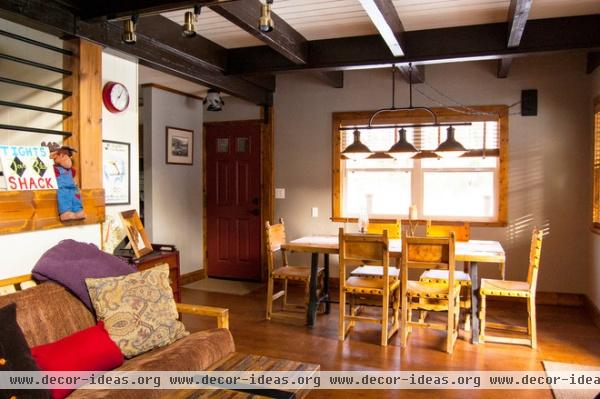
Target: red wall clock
115	97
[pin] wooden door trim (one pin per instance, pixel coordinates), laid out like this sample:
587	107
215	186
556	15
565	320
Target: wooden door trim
267	174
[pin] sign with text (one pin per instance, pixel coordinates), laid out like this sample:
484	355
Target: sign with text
27	168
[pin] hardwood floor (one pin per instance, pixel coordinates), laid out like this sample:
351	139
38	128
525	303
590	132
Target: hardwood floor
565	334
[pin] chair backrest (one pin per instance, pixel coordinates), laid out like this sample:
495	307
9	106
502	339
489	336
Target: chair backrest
274	239
428	253
535	253
364	248
462	231
393	227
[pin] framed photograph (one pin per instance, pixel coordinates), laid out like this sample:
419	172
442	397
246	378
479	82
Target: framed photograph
180	146
135	232
116	172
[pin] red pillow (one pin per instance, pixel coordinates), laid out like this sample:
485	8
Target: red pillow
91	349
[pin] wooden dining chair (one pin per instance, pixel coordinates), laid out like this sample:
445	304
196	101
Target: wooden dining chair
275	238
514	289
429	253
463	233
367	248
441	276
394	231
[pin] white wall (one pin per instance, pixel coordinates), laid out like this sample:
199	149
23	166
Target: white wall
549	161
173	193
123	126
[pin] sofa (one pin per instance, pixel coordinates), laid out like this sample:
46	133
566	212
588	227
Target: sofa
48	312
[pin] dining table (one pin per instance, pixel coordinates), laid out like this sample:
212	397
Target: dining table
472	251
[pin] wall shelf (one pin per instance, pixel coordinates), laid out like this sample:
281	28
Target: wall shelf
22	211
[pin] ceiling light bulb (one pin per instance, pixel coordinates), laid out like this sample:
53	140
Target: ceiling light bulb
265	22
129	35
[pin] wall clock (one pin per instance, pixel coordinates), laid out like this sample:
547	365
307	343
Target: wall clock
115	97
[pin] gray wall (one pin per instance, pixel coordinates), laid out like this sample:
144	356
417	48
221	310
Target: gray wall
549	155
173	193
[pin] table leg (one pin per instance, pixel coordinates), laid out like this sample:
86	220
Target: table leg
474	304
311	313
326	296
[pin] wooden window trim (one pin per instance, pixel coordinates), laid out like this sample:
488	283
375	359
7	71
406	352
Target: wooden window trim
595	226
417	116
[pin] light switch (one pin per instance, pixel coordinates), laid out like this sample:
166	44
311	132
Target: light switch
315	212
280	193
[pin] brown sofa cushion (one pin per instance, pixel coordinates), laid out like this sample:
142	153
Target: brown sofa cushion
197	351
48	312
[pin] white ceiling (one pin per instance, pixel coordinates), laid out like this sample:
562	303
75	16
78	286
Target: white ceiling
318	19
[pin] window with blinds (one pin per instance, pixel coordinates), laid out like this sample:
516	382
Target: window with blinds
596	183
462	189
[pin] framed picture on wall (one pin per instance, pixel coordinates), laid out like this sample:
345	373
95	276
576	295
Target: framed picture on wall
180	146
116	172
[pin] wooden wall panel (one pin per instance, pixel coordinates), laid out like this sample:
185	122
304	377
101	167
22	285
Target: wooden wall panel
22	211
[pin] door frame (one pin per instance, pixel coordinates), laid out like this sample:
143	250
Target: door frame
267	173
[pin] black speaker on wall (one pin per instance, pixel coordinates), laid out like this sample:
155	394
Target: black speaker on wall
529	102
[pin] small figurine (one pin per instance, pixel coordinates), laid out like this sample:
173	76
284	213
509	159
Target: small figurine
68	196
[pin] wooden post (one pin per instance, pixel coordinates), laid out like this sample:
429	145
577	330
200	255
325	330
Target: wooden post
86	106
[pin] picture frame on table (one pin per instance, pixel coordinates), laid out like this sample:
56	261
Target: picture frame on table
116	172
180	146
138	239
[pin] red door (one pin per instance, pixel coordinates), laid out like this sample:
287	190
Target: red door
233	200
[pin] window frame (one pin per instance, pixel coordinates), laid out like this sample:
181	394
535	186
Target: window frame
444	115
595	227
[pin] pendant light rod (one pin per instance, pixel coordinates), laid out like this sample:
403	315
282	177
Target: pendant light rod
377	127
410	100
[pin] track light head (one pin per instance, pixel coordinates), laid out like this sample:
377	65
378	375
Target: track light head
265	22
190	18
129	35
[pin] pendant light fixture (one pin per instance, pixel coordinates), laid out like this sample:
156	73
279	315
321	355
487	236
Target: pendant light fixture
450	148
265	22
189	30
357	150
129	35
402	149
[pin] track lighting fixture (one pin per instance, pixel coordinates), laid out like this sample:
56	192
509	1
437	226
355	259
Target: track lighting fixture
129	35
189	29
265	22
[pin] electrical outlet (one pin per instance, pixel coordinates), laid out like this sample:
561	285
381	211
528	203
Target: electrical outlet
280	193
315	212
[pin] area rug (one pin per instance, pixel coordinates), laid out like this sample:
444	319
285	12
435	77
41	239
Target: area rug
225	286
570	393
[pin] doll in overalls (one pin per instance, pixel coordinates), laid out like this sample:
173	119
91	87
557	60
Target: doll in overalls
68	196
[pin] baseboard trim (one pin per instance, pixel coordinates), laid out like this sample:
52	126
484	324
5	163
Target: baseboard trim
593	311
189	278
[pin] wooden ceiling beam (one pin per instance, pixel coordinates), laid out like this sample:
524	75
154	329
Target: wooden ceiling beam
518	12
416	74
384	16
54	18
593	61
284	39
334	79
465	43
197	48
98	10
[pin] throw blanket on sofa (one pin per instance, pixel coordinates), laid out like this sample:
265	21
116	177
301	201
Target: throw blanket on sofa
70	262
